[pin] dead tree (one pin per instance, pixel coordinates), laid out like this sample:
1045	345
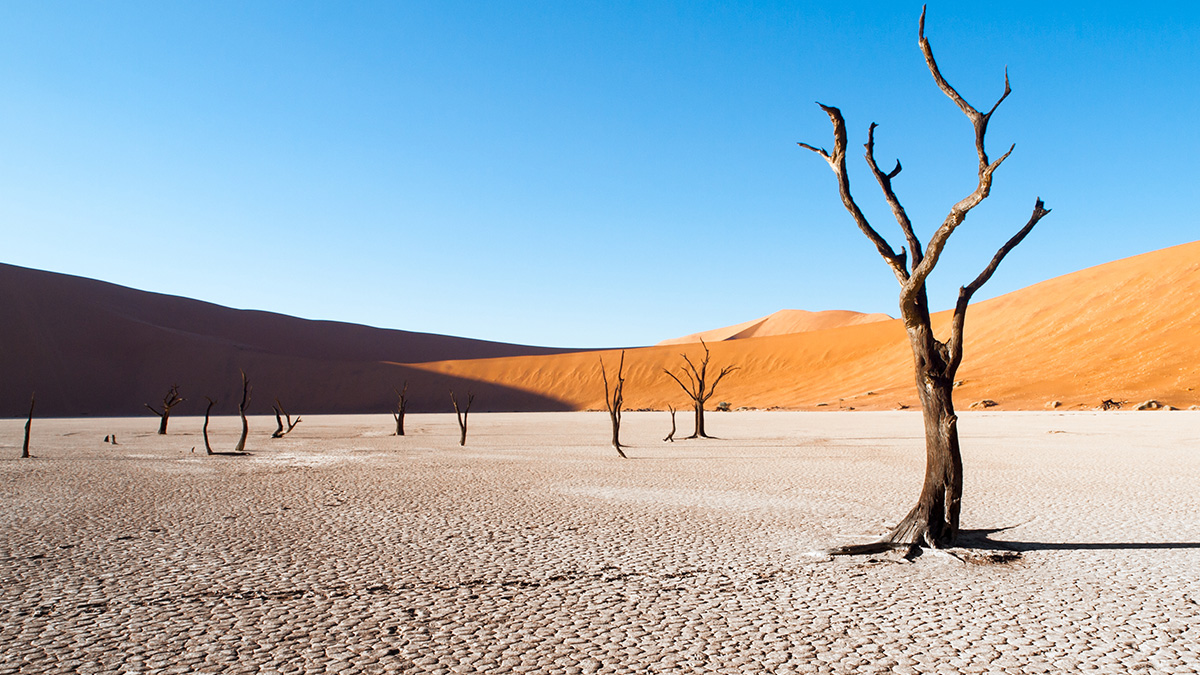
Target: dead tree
614	399
280	413
671	436
207	412
461	414
934	521
698	387
171	400
241	444
28	424
401	406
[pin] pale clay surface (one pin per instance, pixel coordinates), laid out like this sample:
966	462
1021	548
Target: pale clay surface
342	549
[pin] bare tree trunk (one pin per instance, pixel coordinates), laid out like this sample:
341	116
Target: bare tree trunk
207	411
671	436
699	432
614	400
241	444
462	415
28	424
401	405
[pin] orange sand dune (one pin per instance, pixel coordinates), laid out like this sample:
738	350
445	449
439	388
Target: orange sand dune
783	322
1127	330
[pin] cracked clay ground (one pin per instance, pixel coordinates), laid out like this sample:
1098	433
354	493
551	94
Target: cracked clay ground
340	549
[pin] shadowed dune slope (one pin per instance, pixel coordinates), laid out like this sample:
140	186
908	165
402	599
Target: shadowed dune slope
783	322
1127	330
90	347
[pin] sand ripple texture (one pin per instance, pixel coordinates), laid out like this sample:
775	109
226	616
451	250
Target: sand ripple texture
341	549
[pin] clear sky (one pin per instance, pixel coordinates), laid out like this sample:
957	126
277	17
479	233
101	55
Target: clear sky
576	173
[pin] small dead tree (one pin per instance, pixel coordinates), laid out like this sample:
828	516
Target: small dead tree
461	414
171	400
401	406
614	399
241	444
280	413
28	424
207	412
671	436
698	387
934	521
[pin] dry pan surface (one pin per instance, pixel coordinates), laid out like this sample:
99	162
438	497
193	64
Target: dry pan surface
340	548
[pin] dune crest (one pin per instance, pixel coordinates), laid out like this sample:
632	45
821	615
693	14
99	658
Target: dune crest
783	322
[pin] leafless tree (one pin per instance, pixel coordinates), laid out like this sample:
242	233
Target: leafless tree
461	414
28	424
280	413
934	521
241	444
401	406
614	399
208	411
671	436
698	387
171	400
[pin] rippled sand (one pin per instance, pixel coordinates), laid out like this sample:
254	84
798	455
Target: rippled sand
536	549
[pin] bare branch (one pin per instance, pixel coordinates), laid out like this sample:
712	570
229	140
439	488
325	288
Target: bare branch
837	162
885	183
954	343
724	371
677	380
959	211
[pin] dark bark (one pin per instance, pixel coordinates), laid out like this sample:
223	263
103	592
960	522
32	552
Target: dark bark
401	406
614	399
171	400
28	425
934	520
461	414
698	388
671	436
280	413
241	444
208	411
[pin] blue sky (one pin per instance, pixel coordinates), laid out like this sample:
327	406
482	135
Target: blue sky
576	173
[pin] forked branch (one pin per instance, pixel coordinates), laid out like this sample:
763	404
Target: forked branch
954	343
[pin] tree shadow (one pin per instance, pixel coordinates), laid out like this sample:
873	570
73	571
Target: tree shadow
983	541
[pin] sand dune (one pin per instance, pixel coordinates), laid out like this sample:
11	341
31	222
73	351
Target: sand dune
1125	330
783	322
92	348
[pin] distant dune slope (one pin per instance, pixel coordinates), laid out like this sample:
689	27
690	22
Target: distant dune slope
90	347
783	322
1127	330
